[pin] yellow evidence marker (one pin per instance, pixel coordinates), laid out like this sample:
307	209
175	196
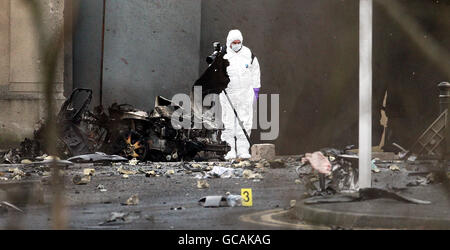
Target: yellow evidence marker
247	199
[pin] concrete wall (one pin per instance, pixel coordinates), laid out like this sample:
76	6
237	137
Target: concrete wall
405	69
87	46
21	67
308	52
151	49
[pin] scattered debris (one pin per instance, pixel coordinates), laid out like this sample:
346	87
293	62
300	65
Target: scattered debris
242	164
150	173
233	200
177	208
25	161
16	172
97	157
213	201
318	161
133	162
298	181
121	217
394	167
343	170
202	184
292	203
375	168
101	188
229	200
132	201
123	171
81	180
248	174
89	171
222	172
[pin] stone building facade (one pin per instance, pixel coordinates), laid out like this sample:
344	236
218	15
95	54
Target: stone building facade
21	67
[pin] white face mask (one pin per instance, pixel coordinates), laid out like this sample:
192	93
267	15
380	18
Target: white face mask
236	47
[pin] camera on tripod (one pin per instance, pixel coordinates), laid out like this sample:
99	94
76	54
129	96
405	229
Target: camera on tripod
217	50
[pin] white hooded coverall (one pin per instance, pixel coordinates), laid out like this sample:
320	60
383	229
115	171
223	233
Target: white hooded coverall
244	77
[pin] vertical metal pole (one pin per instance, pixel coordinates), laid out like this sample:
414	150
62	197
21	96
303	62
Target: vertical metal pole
365	93
102	52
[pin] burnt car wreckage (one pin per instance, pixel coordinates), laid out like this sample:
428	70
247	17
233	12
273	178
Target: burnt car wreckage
124	131
133	133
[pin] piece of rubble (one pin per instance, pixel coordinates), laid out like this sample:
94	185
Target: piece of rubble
222	172
375	168
265	163
430	178
292	203
133	162
202	184
297	181
117	216
25	161
132	201
150	173
318	161
101	188
394	167
248	174
125	176
170	172
89	171
242	164
213	201
259	165
52	158
16	172
263	151
123	171
233	200
81	180
177	208
17	178
196	165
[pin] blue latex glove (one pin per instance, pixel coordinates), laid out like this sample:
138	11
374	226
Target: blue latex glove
256	90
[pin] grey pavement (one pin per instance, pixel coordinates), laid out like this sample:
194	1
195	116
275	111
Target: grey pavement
89	208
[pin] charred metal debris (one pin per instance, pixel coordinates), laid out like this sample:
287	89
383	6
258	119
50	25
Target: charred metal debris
123	131
331	176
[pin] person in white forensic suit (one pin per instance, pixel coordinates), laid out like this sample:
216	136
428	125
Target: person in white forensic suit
243	89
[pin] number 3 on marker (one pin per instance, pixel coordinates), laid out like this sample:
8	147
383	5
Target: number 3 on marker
247	199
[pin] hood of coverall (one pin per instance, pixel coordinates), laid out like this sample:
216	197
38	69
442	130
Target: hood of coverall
234	35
